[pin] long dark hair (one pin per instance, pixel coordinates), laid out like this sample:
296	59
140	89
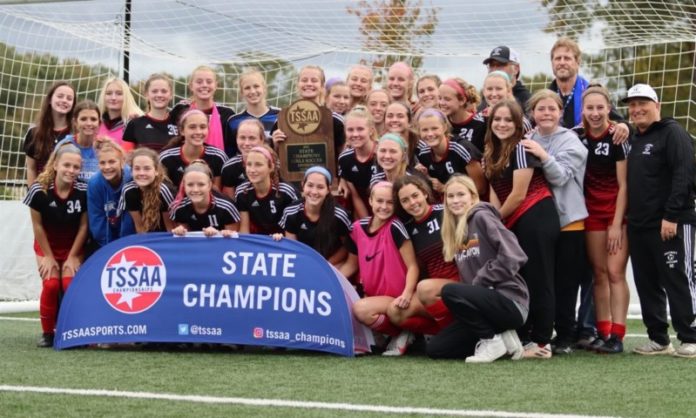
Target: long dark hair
325	240
43	132
403	181
497	153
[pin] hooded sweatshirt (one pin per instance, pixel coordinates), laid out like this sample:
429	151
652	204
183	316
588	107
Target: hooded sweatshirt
492	257
565	172
106	224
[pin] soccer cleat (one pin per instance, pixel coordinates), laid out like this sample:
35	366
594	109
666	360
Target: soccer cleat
651	348
596	344
399	344
611	346
686	350
46	341
513	345
488	350
586	342
561	347
534	350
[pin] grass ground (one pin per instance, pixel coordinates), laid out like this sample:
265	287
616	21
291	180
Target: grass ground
582	383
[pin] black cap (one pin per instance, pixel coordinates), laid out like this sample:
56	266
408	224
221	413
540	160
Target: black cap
503	55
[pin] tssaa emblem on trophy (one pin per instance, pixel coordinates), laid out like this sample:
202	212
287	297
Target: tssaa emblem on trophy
310	142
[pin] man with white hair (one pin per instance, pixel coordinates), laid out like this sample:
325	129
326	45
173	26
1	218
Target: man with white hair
661	219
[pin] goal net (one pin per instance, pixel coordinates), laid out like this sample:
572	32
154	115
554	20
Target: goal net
83	42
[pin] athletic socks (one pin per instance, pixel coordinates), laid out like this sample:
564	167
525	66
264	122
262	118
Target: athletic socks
65	281
618	330
48	304
604	329
440	313
384	326
420	325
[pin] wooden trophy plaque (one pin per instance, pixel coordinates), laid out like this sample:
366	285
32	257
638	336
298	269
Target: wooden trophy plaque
309	142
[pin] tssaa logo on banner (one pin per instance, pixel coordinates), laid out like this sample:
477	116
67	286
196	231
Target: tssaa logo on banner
248	290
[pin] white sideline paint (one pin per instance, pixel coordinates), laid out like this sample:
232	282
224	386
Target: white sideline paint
280	403
18	307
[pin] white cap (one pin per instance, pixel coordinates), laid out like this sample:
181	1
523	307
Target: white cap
641	91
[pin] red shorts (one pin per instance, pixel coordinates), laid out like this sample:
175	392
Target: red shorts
59	254
599	222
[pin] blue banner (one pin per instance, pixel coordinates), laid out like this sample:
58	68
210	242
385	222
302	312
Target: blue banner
248	290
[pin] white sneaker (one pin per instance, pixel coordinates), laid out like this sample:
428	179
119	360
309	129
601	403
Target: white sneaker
487	351
686	350
398	345
652	348
534	350
513	345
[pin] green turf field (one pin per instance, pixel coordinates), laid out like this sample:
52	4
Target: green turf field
580	384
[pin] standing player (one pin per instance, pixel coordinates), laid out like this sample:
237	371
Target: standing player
458	100
104	191
198	207
85	125
441	157
190	145
254	90
250	134
317	220
563	160
53	123
392	161
605	197
58	205
524	200
497	87
262	199
400	79
117	106
397	119
338	97
492	298
377	102
156	128
428	92
148	196
357	164
203	84
661	220
383	253
359	82
310	86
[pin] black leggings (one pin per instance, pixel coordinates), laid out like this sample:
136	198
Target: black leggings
537	232
479	312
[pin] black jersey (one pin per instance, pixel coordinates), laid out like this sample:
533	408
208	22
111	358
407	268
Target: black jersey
296	222
357	172
221	211
601	184
427	243
455	160
146	131
268	120
60	218
265	211
380	175
31	151
132	200
174	161
472	130
233	173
